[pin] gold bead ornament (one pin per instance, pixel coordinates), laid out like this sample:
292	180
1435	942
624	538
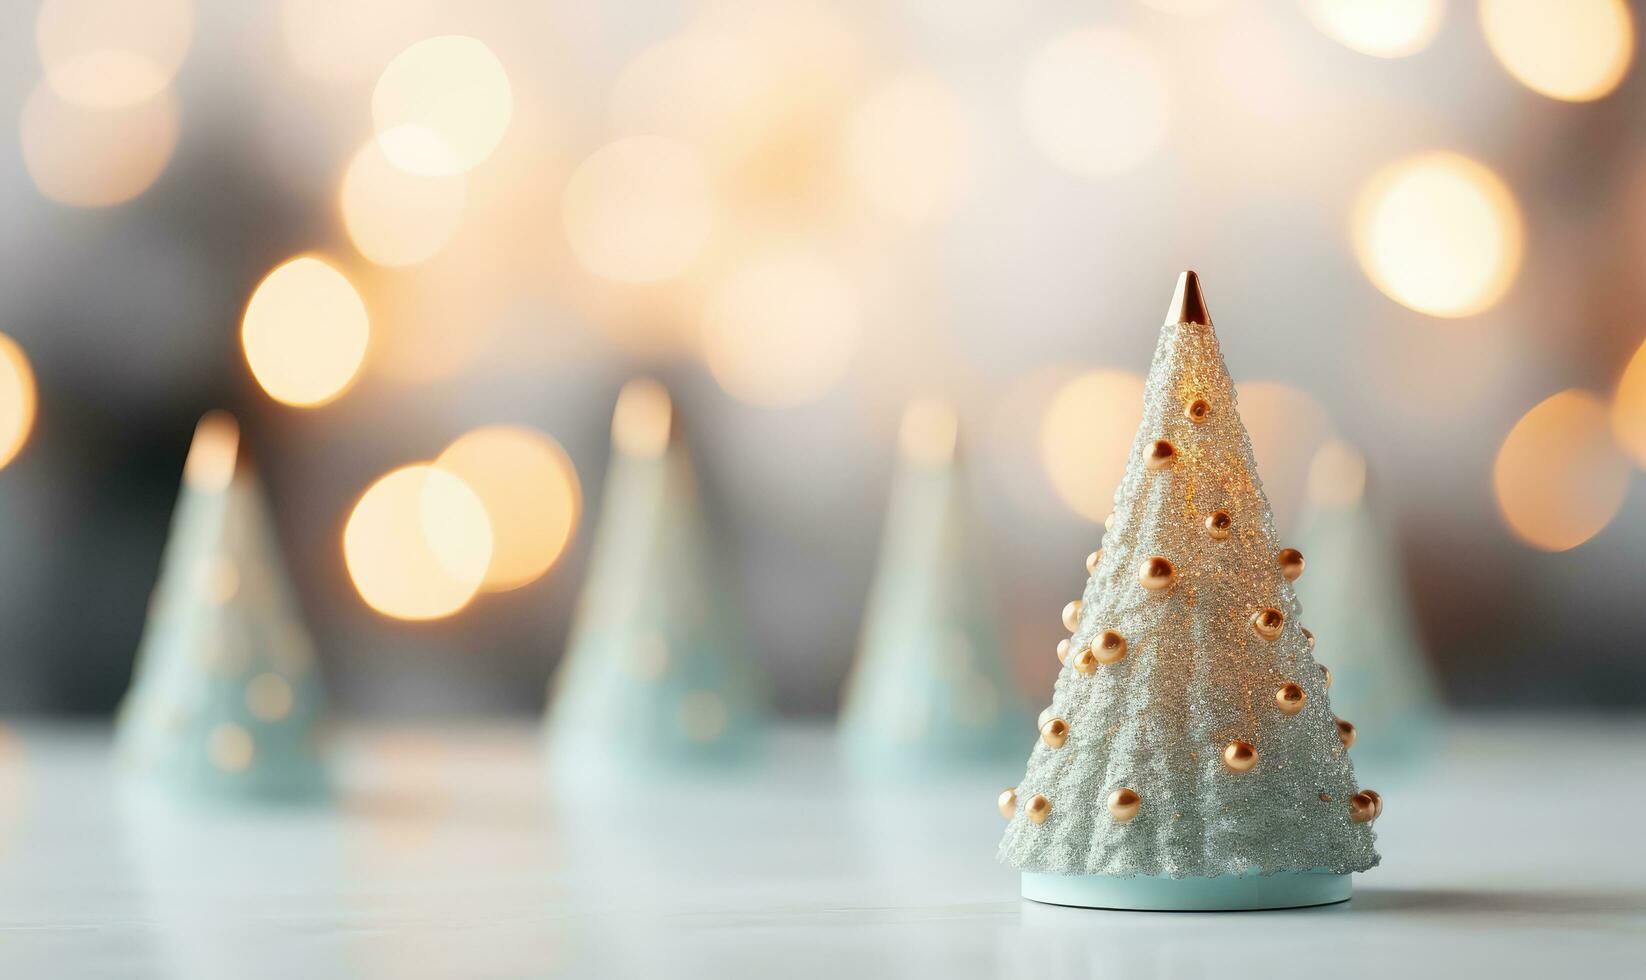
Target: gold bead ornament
1268	623
1054	733
1239	756
1198	411
1063	650
1110	647
1345	733
1309	638
1007	802
1218	523
1039	808
1362	808
1092	560
1161	455
1291	563
1377	802
1085	662
1328	672
1289	699
1071	616
1157	574
1124	804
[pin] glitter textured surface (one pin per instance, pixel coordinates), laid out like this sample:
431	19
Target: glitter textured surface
1195	676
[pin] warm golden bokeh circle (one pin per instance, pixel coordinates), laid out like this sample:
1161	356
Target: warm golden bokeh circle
1559	477
1629	408
96	157
18	399
1439	233
1086	438
1572	50
418	543
782	329
1095	101
639	210
395	217
1287	427
910	149
1337	476
713	89
305	332
442	105
103	54
529	488
341	40
1381	28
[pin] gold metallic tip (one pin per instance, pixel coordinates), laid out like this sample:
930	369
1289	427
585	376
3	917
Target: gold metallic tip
643	421
1188	303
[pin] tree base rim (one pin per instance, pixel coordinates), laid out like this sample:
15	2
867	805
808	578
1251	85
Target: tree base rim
1249	892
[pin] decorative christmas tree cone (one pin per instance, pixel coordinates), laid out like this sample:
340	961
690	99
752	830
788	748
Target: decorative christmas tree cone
929	691
1363	615
656	679
1193	761
225	701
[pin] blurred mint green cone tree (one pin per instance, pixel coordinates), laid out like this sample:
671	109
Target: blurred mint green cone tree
657	678
225	700
1364	618
930	690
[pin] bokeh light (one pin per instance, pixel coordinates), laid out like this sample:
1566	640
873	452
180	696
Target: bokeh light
1095	102
643	419
930	431
418	543
530	491
305	332
1574	50
17	399
910	149
95	157
781	330
103	54
1287	428
213	453
1185	7
1559	477
1439	233
231	748
269	697
1337	476
1086	438
1381	28
703	87
442	105
1628	408
395	217
639	209
339	40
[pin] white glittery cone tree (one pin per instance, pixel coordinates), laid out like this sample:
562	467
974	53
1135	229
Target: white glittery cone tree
225	700
1192	759
656	674
929	690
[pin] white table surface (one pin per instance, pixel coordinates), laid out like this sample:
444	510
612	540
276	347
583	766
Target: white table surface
1517	851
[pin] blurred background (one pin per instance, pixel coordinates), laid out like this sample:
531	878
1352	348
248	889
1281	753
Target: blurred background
384	232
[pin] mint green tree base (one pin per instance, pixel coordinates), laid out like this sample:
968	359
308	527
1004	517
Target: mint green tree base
1162	893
